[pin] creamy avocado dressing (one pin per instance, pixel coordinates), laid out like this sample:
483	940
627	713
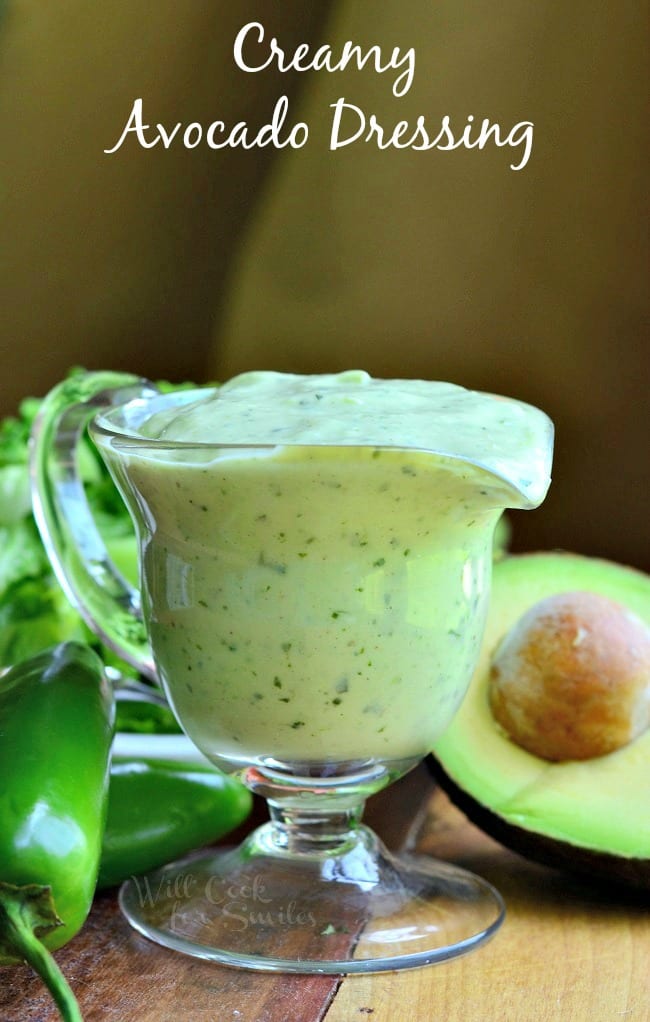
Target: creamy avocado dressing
322	599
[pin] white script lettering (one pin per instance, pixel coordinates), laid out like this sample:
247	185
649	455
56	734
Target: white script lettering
217	135
358	126
323	59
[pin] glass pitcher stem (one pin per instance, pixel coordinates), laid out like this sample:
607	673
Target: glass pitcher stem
311	830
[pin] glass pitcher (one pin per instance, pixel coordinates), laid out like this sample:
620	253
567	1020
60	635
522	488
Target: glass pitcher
314	612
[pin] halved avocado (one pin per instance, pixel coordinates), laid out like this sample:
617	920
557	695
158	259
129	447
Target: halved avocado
590	816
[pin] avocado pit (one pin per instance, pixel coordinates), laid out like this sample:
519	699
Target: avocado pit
571	678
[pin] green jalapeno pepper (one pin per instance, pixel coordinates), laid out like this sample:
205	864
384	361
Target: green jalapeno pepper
160	809
56	728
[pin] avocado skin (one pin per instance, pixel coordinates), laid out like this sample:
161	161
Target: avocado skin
595	867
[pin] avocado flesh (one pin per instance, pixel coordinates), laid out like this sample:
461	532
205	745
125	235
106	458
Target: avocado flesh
599	806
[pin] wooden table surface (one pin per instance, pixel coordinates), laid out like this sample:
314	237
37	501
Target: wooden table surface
566	952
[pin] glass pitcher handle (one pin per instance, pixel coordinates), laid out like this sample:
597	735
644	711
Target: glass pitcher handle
105	600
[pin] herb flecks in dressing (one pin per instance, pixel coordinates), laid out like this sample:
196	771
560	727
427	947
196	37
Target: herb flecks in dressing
322	597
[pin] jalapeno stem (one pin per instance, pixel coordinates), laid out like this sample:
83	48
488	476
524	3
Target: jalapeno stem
17	940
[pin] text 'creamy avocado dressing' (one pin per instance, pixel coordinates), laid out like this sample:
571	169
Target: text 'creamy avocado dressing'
320	594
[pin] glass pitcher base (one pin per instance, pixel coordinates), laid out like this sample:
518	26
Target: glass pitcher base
358	909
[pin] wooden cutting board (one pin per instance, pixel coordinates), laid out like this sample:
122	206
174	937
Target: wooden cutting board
566	953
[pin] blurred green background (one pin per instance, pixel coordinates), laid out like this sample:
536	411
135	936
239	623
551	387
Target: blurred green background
198	264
